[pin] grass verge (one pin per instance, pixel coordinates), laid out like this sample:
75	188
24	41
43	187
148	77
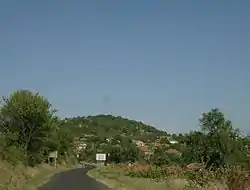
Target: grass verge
121	177
115	178
26	178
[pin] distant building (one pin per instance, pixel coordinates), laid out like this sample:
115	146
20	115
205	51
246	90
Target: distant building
147	153
144	149
173	142
80	144
139	143
173	152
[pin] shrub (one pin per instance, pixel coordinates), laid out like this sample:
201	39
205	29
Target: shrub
232	178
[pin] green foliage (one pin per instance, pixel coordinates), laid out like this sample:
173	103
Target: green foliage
105	126
28	125
121	154
217	143
110	134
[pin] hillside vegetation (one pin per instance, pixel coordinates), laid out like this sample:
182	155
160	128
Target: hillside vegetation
109	134
108	125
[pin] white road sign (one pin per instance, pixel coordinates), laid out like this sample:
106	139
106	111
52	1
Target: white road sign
100	157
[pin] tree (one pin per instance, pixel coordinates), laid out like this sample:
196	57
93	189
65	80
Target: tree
196	143
27	119
61	138
218	143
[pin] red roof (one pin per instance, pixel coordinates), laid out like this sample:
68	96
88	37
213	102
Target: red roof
172	151
144	149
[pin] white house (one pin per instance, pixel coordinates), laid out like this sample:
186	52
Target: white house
173	142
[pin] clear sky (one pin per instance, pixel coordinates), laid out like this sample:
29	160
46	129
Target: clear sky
163	62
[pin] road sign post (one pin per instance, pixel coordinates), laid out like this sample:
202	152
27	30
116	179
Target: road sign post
53	155
100	158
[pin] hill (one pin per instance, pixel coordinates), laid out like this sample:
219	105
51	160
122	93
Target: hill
105	126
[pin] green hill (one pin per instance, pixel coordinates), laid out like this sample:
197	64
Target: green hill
107	126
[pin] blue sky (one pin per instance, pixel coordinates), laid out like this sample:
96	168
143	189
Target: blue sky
161	62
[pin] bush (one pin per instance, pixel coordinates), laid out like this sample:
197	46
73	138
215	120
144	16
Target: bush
233	178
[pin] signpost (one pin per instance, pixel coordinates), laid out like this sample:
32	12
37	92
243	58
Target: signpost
53	155
100	158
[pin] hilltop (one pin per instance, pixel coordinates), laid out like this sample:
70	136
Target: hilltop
105	126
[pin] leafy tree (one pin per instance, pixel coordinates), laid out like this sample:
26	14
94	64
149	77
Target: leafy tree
26	119
218	143
61	139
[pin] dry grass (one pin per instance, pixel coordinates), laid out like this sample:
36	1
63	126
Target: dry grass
25	178
115	178
176	179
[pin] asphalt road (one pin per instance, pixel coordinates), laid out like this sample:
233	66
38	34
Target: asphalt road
76	179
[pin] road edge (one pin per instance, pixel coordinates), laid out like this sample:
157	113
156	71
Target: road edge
98	180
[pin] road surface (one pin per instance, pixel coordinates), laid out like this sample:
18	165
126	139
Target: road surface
76	179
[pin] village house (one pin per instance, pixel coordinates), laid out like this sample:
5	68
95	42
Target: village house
80	144
173	152
139	143
173	142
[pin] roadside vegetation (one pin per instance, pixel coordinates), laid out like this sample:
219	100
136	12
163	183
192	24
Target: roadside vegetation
139	156
29	130
215	157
